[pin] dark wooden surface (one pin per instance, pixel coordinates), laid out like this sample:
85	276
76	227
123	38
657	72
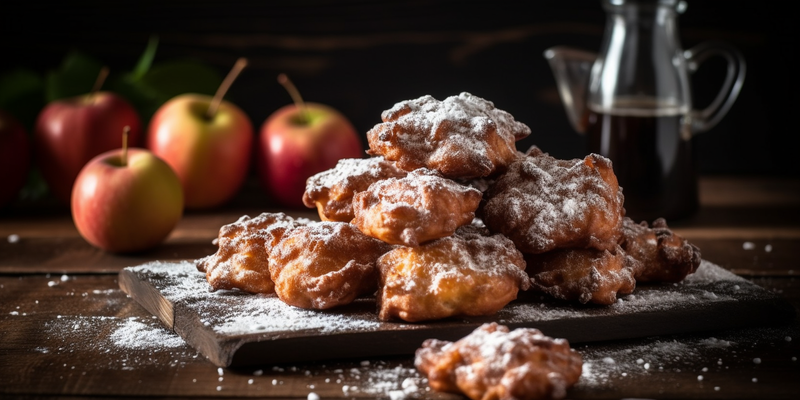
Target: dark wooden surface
62	312
711	299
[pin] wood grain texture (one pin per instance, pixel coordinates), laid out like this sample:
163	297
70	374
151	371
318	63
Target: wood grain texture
178	294
57	333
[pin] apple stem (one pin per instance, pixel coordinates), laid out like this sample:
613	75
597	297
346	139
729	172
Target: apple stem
125	132
298	100
224	86
101	78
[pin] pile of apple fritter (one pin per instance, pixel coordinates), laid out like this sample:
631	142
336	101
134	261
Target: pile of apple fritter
446	218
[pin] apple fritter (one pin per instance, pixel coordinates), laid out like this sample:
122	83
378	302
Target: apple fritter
241	261
471	273
325	264
462	136
543	203
415	209
664	255
495	363
332	191
586	275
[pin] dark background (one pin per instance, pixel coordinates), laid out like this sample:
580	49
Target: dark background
362	56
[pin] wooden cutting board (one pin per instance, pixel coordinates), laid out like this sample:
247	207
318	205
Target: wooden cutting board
232	328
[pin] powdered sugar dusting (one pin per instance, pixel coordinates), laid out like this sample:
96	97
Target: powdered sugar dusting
417	208
348	169
706	273
542	202
239	313
234	312
704	356
439	134
709	284
127	343
133	334
409	191
398	382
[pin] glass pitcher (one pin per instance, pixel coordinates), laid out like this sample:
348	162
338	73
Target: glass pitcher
633	101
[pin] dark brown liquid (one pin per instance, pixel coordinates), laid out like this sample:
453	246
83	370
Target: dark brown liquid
653	160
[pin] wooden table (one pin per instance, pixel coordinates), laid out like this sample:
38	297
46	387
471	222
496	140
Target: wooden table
67	330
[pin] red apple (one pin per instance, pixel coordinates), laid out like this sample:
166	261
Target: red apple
126	206
300	140
15	157
210	155
295	145
70	132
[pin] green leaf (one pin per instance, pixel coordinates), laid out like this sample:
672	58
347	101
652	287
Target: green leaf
21	95
142	98
172	78
35	187
162	82
75	77
146	60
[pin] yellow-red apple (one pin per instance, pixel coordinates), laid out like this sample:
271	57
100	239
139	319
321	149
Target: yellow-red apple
211	155
126	202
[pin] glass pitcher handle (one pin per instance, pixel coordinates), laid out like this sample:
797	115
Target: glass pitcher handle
707	118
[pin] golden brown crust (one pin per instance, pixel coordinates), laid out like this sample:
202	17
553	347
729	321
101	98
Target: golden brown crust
332	191
543	203
470	273
324	264
585	275
462	136
664	255
415	209
242	259
495	363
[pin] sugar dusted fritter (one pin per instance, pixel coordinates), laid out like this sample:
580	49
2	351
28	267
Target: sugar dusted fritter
462	136
664	255
415	209
241	261
325	264
471	273
494	363
543	203
332	191
584	275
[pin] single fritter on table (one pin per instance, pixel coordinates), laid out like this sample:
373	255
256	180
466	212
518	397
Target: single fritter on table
462	136
420	207
585	275
495	363
242	259
471	273
664	256
543	203
325	264
332	191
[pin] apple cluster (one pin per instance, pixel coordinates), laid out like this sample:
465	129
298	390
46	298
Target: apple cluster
195	154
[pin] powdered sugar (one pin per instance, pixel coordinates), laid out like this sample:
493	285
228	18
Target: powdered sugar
462	136
417	208
234	312
231	313
395	382
134	334
128	343
702	356
543	203
349	169
710	284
